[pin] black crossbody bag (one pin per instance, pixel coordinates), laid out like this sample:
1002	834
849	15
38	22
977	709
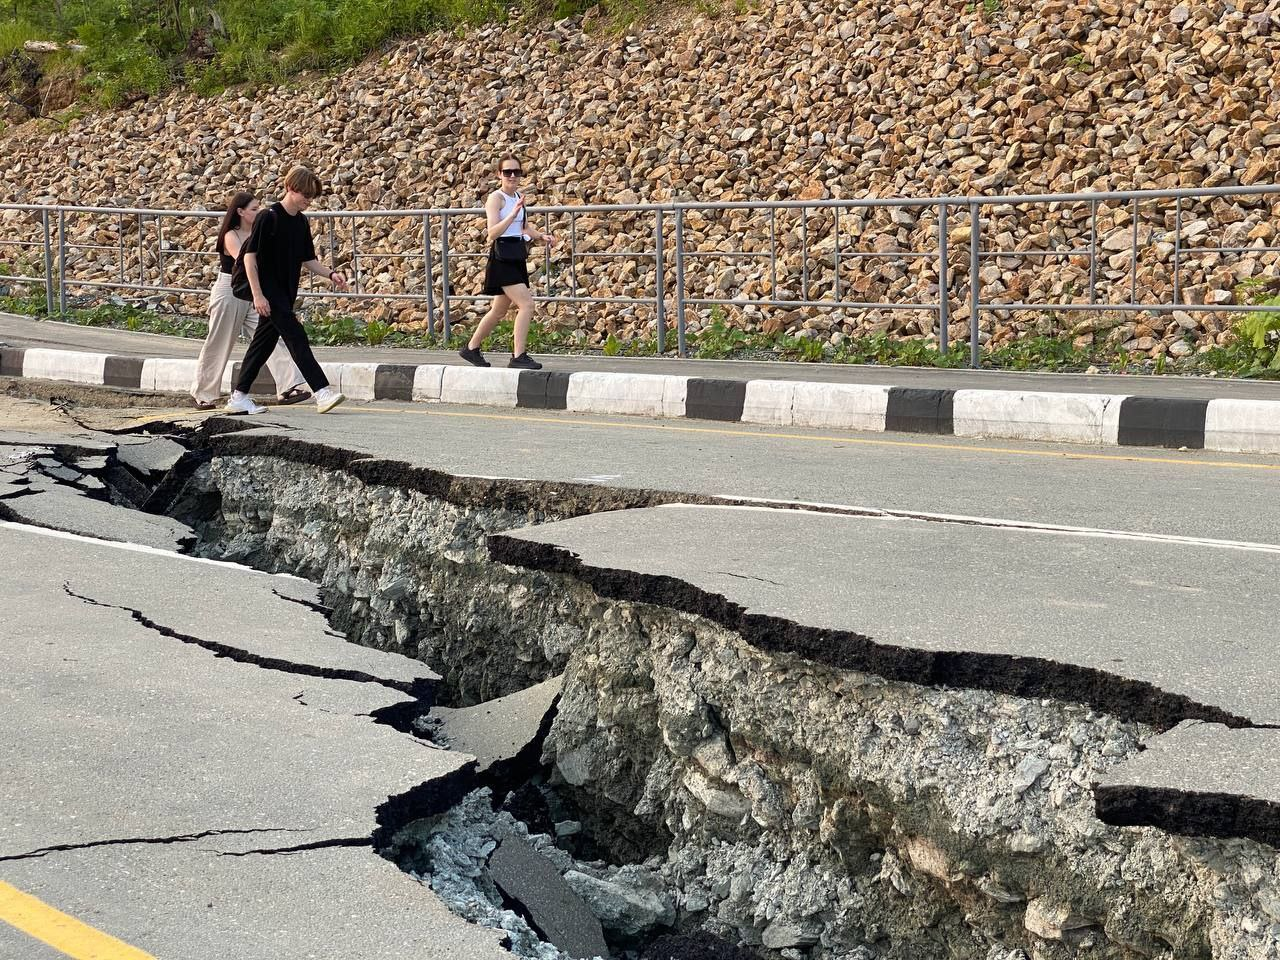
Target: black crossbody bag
512	249
240	288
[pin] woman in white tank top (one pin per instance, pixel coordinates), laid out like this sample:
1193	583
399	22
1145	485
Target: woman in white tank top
506	276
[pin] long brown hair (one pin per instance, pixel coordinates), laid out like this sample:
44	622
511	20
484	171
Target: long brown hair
231	219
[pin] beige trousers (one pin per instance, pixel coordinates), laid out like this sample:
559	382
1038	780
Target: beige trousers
230	318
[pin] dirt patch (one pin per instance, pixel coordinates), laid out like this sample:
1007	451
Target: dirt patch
42	405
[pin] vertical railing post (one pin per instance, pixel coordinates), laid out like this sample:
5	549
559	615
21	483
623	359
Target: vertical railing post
159	250
944	282
975	241
546	258
429	269
444	272
573	256
355	256
1093	252
804	253
773	253
62	262
1177	251
1133	257
142	249
48	262
659	284
681	344
836	251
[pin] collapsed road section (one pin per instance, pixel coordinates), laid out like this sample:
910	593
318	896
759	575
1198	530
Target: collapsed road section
775	733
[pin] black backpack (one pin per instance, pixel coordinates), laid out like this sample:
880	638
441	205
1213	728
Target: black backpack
240	288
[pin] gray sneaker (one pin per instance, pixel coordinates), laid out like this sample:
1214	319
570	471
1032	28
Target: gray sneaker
327	398
243	403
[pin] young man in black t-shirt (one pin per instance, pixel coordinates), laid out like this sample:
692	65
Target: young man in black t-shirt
279	247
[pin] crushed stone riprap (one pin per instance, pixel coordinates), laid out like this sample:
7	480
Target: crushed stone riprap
798	100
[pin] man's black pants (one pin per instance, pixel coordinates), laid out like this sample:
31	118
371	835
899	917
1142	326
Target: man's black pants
283	325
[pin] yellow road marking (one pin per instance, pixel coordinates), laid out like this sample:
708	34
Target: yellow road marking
920	444
61	931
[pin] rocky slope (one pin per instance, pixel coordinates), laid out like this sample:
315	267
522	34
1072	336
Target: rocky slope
794	100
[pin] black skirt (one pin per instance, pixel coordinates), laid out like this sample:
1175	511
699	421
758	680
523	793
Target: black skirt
503	273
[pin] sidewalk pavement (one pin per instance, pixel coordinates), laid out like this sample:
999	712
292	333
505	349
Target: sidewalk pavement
1196	413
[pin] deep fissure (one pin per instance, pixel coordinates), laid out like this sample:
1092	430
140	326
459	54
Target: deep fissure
778	804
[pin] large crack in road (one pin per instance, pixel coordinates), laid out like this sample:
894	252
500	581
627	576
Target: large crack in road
747	781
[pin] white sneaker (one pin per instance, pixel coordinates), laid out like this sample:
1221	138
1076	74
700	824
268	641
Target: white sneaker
243	403
327	398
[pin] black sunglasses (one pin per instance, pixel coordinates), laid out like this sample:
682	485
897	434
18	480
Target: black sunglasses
513	173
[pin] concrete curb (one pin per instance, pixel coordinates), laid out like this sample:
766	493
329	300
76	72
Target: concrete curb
1225	425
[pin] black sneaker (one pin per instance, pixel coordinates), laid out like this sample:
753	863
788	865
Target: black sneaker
524	362
473	357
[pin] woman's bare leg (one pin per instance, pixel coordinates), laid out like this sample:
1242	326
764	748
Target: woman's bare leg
519	295
501	304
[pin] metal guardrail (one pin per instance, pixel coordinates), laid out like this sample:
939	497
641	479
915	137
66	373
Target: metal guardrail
665	249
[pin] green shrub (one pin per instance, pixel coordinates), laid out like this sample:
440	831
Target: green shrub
1258	335
718	340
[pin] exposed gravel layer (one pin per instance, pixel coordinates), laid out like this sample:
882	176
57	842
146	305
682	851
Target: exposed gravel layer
797	808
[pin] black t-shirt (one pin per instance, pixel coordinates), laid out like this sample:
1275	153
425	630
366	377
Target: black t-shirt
283	244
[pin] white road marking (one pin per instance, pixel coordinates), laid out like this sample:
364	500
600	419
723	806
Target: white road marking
846	510
138	548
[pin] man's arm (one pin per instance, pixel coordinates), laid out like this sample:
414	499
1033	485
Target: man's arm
260	303
250	254
322	270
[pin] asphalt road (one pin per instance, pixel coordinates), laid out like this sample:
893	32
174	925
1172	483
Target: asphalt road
150	783
1194	493
1145	610
130	734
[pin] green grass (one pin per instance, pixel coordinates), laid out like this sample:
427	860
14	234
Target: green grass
1253	353
144	47
14	33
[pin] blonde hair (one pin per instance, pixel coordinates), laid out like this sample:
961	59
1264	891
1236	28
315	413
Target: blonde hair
302	180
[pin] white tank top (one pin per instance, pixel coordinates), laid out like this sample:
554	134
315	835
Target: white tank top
516	227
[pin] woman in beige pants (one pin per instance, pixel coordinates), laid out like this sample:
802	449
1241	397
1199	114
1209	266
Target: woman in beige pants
230	317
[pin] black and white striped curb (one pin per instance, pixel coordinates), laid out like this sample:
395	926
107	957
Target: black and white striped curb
1237	426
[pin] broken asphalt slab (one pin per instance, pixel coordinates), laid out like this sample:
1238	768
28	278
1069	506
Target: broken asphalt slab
231	611
531	881
193	902
151	457
215	742
433	448
1138	629
58	471
154	776
1198	779
499	733
71	512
